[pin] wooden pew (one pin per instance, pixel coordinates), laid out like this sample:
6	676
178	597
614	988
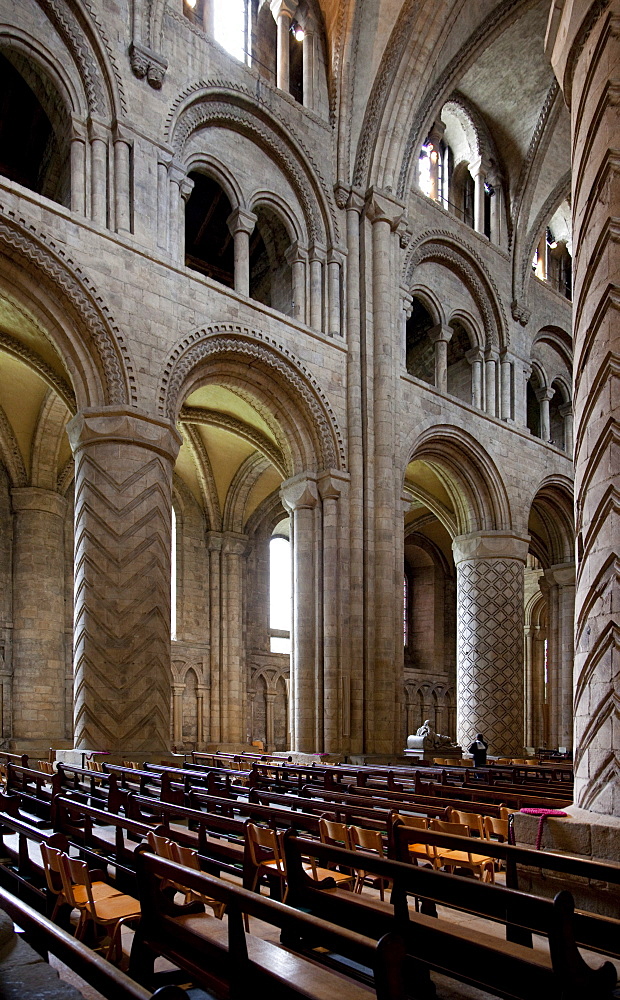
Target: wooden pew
44	936
506	968
35	789
428	805
225	959
343	808
22	868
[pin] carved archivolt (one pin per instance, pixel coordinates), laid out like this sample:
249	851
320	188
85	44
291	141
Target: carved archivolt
49	266
218	102
256	350
438	246
10	453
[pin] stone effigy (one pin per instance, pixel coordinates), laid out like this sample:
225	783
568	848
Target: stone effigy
427	739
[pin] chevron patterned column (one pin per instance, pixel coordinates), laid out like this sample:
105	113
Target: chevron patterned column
584	44
123	476
38	617
489	665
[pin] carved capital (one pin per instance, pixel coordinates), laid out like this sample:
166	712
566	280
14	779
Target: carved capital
240	221
97	131
439	332
122	134
546	393
283	8
473	355
146	63
331	484
561	575
299	493
520	312
318	251
33	498
381	207
234	544
185	188
490	545
120	424
215	541
296	253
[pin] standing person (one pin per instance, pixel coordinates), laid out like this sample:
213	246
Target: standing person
479	750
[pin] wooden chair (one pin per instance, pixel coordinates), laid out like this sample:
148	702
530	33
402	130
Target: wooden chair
496	829
47	767
367	842
52	866
189	859
418	852
336	834
481	865
109	913
473	821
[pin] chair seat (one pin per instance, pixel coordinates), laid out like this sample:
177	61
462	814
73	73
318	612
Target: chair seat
465	858
116	907
101	890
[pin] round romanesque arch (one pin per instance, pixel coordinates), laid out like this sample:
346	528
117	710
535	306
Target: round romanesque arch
284	391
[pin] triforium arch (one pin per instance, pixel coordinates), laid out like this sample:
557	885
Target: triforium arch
550	572
460	499
238	387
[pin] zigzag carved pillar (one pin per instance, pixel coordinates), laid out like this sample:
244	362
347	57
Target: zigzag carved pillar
123	476
38	616
489	666
584	43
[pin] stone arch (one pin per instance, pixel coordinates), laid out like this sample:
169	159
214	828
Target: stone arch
212	166
469	476
430	300
42	279
10	453
553	504
441	247
283	388
525	246
210	103
245	478
92	55
41	59
283	211
476	335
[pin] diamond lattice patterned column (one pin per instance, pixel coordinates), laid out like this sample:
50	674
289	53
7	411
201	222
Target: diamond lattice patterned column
489	669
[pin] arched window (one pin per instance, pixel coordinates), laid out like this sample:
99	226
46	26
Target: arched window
34	130
231	27
552	261
280	595
209	246
270	272
459	368
420	350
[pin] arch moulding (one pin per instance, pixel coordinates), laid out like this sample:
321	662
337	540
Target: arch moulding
262	360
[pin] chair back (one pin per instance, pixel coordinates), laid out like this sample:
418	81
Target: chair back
366	840
185	856
264	839
494	827
160	846
473	821
46	767
442	826
52	868
417	822
75	872
334	833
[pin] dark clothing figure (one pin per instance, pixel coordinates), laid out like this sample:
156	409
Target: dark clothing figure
479	750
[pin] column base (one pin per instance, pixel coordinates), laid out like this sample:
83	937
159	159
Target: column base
589	835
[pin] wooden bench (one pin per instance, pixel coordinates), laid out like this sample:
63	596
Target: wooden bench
222	957
45	937
504	967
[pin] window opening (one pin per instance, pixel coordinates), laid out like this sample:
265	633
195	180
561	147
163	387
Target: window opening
280	595
230	27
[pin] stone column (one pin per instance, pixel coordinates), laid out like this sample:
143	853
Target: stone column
297	259
478	170
214	547
566	412
123	485
330	486
308	61
528	672
544	396
177	713
201	691
179	191
490	382
334	270
317	258
283	11
122	182
300	497
435	136
233	682
384	215
98	173
496	207
440	336
78	168
489	672
270	698
163	185
560	580
241	225
38	617
476	360
505	381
